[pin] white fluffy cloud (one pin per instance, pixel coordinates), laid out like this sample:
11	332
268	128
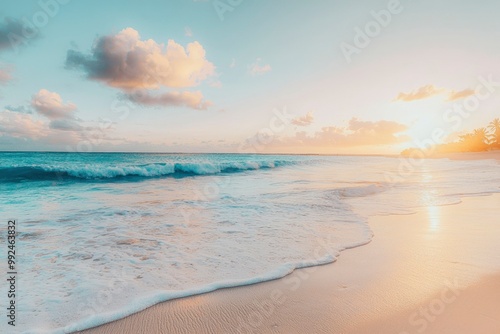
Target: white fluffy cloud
127	62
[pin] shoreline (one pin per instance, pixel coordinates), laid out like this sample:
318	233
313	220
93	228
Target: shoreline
398	271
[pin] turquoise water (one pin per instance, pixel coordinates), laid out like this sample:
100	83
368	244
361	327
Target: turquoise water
101	236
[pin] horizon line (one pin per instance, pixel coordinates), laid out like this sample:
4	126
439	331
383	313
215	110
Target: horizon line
235	153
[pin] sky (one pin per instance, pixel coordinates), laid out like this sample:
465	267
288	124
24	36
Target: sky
260	76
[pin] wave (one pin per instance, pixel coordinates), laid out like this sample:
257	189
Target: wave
100	172
144	302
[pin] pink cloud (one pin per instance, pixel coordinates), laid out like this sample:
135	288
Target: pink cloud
453	95
127	62
190	99
419	94
18	125
51	105
303	120
5	75
258	69
357	133
30	131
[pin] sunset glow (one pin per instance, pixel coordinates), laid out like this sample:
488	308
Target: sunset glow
190	83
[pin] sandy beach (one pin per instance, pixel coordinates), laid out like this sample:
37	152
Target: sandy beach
436	271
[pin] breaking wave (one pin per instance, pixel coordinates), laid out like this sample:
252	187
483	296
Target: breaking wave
100	172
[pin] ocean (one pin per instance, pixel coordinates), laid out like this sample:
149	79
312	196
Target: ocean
104	235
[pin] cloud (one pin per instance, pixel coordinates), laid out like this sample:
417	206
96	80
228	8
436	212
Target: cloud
125	61
5	75
383	131
453	95
419	94
362	133
303	120
54	125
257	69
189	99
65	125
188	32
14	124
357	133
10	31
32	132
51	105
430	90
24	132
